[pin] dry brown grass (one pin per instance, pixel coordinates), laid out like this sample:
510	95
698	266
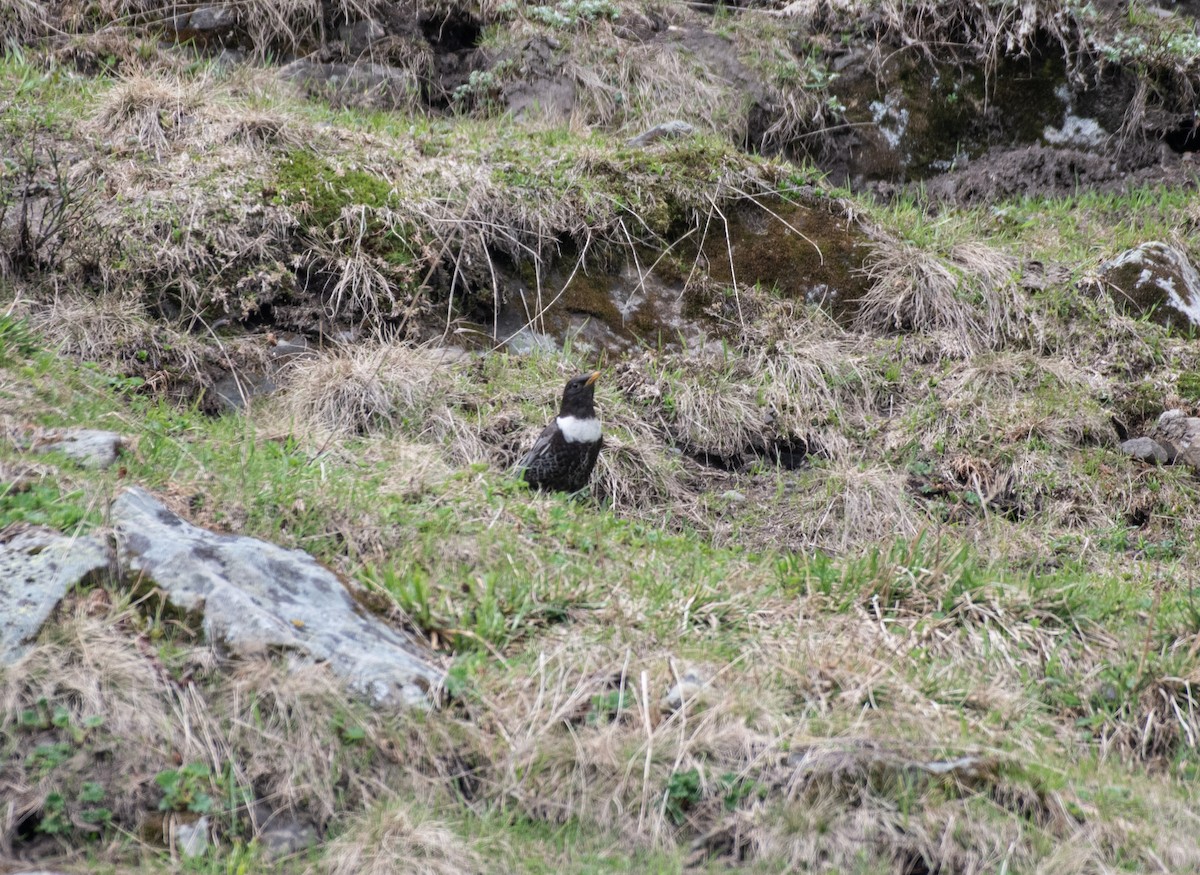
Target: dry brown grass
273	726
846	505
713	409
643	85
149	112
967	302
117	333
399	836
91	668
22	21
378	389
813	372
818	802
991	30
638	478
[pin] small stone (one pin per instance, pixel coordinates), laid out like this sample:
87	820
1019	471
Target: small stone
234	391
1179	435
204	24
285	347
1146	450
528	341
191	839
284	837
89	447
689	688
734	496
360	36
374	86
671	130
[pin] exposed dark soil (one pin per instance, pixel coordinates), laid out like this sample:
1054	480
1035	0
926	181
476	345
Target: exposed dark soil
1043	171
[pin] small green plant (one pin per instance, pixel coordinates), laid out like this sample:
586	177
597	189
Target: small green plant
683	793
54	815
607	707
186	788
43	504
16	340
481	92
348	730
569	13
44	758
737	789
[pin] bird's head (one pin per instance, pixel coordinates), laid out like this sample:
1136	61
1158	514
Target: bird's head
578	396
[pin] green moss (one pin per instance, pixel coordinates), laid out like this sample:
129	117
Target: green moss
1188	385
806	253
303	177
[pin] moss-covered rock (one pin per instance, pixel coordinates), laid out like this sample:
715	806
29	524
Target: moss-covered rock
1158	281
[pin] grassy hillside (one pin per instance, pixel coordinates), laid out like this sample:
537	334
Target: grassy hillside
961	634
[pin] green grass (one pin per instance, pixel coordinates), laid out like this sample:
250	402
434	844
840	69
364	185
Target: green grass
1057	639
503	578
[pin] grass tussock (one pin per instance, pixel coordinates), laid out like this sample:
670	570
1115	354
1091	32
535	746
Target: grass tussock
967	302
96	691
851	503
400	836
23	21
148	112
365	390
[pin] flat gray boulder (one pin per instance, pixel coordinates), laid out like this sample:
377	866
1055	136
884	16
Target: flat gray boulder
88	447
671	130
257	597
37	568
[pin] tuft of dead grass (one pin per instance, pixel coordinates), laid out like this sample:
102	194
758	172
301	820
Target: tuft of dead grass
847	505
992	30
149	112
968	301
714	409
371	389
91	668
399	836
127	709
22	21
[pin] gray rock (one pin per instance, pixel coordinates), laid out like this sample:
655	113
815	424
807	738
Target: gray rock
37	568
191	839
204	24
1146	450
235	390
666	131
360	36
1177	433
256	597
286	836
288	346
527	341
1156	279
375	86
689	688
89	447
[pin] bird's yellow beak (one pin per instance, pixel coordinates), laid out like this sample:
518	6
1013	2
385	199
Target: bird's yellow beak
593	378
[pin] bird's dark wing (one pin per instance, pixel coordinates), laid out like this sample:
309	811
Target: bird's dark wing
540	446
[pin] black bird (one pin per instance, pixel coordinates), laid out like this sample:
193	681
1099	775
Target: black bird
565	452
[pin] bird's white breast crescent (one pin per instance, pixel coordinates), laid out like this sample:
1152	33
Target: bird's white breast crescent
579	430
